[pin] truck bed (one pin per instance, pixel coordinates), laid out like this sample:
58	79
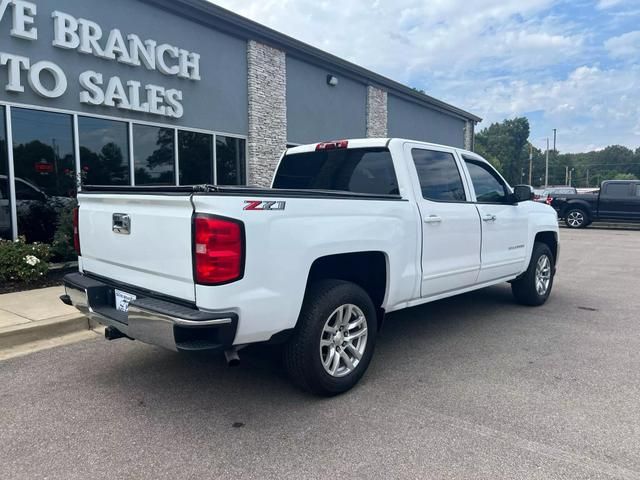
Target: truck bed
235	191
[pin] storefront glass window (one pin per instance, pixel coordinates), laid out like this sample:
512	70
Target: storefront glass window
5	201
196	158
230	161
44	170
104	151
153	153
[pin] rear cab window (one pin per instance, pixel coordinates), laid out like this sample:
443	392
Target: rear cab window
356	170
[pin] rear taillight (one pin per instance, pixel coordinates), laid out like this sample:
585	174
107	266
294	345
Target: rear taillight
332	145
76	230
549	200
218	250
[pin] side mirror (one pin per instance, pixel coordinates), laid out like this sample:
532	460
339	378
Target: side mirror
522	193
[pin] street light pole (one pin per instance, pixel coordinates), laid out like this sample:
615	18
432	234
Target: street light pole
546	167
530	162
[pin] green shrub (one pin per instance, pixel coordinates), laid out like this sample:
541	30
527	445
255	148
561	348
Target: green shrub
62	245
23	262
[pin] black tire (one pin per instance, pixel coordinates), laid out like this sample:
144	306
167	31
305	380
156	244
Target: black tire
524	288
302	353
576	217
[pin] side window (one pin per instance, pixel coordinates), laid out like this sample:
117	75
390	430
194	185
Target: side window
488	186
638	190
617	189
439	176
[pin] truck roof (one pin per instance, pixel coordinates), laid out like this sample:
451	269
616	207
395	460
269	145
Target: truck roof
372	143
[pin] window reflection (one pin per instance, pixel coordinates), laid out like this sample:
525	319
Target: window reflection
44	170
196	158
153	153
5	201
104	151
230	161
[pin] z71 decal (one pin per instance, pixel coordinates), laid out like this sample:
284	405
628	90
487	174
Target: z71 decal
260	205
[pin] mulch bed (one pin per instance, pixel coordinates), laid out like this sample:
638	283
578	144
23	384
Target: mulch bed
53	278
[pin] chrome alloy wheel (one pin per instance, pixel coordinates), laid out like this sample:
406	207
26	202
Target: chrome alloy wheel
343	340
575	218
543	275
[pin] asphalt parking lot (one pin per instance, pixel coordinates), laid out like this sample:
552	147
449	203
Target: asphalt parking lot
471	387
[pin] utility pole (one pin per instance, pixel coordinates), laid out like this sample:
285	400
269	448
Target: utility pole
554	141
530	162
566	175
546	167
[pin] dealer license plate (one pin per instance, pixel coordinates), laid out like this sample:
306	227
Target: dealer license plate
123	299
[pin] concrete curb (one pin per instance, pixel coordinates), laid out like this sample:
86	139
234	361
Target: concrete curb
42	330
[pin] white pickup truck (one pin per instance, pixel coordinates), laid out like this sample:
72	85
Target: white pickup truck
349	231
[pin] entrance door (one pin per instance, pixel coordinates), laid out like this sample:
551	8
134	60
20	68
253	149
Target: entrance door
450	224
5	197
505	233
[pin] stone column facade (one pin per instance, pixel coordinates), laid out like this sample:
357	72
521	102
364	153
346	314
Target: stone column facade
376	112
469	128
267	98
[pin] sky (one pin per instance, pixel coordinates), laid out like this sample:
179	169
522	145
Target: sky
573	65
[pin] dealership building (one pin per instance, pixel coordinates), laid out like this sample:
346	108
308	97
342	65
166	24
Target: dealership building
174	92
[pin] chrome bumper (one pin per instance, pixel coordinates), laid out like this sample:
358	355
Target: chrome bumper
151	320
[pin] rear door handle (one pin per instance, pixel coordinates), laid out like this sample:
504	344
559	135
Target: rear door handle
489	218
433	219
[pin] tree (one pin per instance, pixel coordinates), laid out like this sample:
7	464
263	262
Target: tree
625	176
505	145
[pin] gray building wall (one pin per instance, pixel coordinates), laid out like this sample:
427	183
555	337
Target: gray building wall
416	122
317	111
217	102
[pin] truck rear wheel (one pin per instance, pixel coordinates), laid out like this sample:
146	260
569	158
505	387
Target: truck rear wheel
534	286
576	218
334	339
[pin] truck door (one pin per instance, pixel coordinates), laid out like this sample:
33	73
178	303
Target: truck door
617	201
635	199
505	229
450	223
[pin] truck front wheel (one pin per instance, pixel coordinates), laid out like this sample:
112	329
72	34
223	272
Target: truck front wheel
534	286
576	218
334	339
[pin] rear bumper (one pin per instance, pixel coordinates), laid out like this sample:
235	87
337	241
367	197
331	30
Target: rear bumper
151	320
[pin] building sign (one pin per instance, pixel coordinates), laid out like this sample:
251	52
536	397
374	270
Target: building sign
87	37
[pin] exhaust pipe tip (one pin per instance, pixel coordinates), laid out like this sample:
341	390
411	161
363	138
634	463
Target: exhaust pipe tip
112	333
66	299
232	358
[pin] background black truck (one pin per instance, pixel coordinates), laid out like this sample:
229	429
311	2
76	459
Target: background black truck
617	201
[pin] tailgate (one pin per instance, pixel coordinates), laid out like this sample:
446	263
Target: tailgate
154	254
